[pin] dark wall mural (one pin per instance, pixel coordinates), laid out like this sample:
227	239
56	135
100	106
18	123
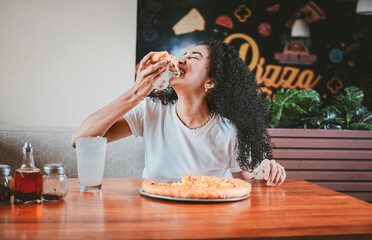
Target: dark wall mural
337	54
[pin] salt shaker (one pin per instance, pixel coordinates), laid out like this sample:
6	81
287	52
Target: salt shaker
55	183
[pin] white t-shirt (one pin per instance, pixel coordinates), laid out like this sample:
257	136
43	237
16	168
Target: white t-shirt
172	149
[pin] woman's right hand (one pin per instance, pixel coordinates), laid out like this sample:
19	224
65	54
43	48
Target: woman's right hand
147	74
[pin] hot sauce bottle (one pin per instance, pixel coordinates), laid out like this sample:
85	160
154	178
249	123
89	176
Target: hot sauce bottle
27	179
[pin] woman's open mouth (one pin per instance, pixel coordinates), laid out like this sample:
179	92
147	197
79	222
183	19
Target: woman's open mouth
180	72
176	69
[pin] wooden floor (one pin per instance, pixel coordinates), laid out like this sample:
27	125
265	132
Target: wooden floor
337	159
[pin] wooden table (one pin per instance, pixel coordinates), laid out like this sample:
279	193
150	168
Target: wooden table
295	210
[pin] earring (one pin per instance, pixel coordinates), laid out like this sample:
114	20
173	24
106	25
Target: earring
206	89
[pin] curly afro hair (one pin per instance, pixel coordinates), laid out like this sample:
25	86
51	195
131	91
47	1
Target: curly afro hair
235	97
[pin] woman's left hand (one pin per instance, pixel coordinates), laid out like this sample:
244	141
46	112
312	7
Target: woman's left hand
272	172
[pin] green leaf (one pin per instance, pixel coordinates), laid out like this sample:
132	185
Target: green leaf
283	96
301	109
362	115
329	119
267	104
332	126
346	107
361	126
286	122
308	99
276	118
368	119
355	94
316	122
272	110
292	110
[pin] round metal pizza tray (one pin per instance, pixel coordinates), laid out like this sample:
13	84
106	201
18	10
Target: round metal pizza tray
193	199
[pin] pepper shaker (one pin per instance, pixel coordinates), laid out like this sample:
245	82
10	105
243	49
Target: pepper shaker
5	183
55	183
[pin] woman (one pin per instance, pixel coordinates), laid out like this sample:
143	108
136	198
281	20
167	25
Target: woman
208	120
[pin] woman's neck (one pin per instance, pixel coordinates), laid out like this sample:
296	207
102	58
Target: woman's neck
192	113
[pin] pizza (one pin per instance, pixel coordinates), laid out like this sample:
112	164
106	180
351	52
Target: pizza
198	186
164	55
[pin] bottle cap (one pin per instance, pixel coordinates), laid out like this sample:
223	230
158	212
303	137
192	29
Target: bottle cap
4	169
28	147
54	168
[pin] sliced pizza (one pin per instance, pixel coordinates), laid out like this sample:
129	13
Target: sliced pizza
199	186
164	55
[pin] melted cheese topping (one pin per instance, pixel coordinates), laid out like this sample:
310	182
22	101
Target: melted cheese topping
202	182
164	55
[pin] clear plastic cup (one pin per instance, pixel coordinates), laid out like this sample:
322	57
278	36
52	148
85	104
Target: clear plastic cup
90	154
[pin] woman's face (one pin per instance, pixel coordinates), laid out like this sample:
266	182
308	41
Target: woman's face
195	66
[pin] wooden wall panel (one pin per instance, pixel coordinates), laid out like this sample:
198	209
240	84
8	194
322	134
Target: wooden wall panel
297	153
323	164
365	196
330	175
317	133
337	159
319	143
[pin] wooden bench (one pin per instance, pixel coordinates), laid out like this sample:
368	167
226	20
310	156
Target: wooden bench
337	159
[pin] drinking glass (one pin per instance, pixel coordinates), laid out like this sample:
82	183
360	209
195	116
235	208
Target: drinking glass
90	154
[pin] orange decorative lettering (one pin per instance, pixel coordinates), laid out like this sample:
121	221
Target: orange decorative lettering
244	49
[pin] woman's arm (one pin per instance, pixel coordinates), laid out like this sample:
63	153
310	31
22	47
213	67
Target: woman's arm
270	171
109	121
244	175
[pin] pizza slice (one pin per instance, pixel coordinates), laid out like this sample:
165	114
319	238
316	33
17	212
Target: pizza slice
199	186
164	55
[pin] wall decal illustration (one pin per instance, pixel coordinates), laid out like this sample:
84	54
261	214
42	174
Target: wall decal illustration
340	40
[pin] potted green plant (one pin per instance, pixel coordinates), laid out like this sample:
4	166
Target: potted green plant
327	145
294	108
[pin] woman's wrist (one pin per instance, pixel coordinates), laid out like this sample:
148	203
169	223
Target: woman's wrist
133	96
137	93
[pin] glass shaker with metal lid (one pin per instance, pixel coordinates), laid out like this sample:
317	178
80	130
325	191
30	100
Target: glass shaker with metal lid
5	183
55	183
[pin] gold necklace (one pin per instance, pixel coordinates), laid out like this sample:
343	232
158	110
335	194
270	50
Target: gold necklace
211	114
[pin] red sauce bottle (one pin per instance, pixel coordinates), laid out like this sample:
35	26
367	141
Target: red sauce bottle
27	179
